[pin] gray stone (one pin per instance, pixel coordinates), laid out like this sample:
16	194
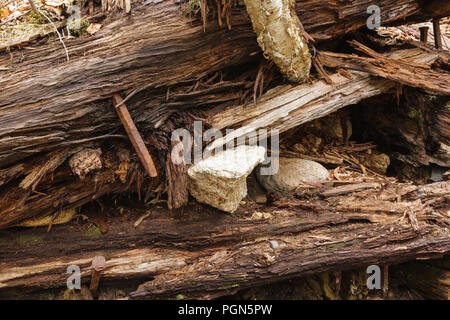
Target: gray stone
220	180
291	173
255	191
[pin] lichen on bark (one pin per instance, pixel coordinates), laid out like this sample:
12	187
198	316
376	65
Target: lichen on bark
280	37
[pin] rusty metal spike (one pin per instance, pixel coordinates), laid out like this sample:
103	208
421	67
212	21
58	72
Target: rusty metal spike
134	136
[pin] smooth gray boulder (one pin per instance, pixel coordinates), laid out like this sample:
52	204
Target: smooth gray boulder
291	173
220	180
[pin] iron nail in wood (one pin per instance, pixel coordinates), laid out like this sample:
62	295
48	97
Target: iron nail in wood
134	136
98	265
437	33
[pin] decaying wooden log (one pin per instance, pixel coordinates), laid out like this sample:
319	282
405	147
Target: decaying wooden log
49	186
41	91
55	118
281	108
209	254
417	75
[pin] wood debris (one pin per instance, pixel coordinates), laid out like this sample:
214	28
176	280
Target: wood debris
86	169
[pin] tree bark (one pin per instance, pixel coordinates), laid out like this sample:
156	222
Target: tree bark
53	187
209	254
47	102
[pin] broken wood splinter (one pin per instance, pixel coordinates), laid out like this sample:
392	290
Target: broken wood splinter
134	136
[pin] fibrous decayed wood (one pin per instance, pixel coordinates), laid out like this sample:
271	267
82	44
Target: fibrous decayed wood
281	108
286	107
48	186
62	146
47	102
417	75
209	254
431	278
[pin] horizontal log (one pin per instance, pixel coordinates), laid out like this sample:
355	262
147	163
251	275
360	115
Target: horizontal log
210	254
46	102
38	189
282	108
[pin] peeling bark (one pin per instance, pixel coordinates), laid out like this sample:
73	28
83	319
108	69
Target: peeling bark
279	37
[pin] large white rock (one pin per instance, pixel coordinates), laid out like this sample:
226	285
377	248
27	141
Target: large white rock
291	173
220	180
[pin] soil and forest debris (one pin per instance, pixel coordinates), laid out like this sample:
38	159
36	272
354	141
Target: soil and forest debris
91	93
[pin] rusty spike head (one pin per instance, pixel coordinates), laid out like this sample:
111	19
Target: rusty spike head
98	263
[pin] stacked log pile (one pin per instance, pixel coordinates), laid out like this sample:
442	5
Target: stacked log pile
63	148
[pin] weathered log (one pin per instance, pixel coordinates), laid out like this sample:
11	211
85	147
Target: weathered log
279	35
45	189
209	254
281	108
417	75
47	102
286	107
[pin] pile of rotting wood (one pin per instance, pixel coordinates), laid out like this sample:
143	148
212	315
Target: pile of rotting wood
86	148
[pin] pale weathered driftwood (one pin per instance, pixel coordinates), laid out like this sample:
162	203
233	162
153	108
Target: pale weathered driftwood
209	254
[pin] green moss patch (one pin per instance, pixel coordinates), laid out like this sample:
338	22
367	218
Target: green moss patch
93	232
30	239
